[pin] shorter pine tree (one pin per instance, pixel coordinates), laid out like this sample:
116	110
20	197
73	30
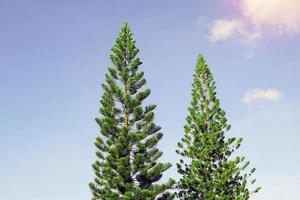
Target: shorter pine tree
207	168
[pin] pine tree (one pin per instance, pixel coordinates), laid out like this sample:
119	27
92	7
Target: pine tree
127	166
208	169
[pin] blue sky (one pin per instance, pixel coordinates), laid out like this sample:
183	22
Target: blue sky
53	56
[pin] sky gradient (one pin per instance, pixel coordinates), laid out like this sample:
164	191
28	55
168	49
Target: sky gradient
53	56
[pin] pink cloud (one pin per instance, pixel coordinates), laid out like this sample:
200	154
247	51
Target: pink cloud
257	18
282	16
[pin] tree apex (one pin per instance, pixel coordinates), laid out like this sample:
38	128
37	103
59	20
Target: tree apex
200	58
125	26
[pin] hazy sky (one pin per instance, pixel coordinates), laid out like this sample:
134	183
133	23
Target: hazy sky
53	56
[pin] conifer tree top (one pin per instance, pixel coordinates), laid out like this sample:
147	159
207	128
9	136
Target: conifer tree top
127	165
208	170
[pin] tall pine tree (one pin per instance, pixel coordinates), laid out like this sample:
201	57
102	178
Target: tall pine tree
127	166
208	169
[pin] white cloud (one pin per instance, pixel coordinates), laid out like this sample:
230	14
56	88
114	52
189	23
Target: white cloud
262	95
223	29
259	18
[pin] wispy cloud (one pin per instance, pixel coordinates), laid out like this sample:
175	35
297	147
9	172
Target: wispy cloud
259	18
223	29
269	95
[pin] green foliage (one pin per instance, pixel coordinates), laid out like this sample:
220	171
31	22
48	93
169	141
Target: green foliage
208	169
127	166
